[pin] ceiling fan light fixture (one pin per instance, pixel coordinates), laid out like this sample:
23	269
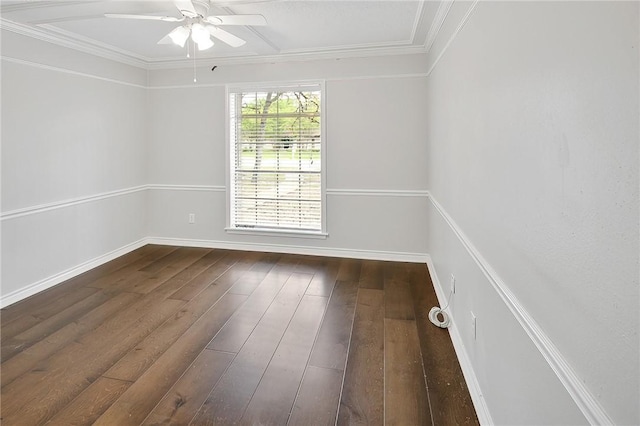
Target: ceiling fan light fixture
205	44
179	36
199	33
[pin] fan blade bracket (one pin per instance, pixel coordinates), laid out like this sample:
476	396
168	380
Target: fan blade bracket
214	20
186	7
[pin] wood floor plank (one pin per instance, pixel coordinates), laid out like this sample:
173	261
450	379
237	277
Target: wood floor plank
236	332
363	389
139	359
371	275
265	261
310	264
286	355
398	301
98	351
16	344
33	305
405	397
37	316
332	346
29	358
236	272
35	397
248	282
274	397
448	392
183	400
349	270
91	403
205	278
396	271
190	265
182	267
135	404
318	397
324	278
133	268
174	256
230	397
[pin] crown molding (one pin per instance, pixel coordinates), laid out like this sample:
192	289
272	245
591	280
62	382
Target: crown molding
461	25
76	43
287	57
73	41
436	24
37	4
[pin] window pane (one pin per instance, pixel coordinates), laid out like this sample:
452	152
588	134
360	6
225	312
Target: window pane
276	172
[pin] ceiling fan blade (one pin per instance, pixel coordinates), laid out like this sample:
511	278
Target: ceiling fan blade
186	8
147	17
225	36
165	40
253	20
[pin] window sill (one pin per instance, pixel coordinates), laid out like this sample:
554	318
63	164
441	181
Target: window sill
278	233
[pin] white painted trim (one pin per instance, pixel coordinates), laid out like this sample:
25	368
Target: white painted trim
479	403
206	188
586	402
436	24
349	47
33	5
329	79
278	233
416	21
291	249
67	71
169	63
93	47
464	20
41	208
379	192
30	290
376	77
70	43
14	214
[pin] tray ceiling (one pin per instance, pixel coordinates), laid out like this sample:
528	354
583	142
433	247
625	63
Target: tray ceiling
327	28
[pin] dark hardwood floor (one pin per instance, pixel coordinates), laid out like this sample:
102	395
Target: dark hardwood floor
167	335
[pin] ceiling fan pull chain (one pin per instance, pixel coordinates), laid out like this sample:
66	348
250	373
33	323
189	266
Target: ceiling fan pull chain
195	80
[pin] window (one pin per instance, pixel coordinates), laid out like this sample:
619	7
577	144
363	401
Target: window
276	171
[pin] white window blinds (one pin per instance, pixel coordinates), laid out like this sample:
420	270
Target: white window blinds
276	180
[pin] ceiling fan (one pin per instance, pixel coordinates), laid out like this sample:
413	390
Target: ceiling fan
198	24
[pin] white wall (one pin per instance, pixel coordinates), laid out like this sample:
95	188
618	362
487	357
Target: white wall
100	157
375	150
533	167
73	138
530	113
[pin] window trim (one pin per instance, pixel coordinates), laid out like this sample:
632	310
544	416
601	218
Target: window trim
287	85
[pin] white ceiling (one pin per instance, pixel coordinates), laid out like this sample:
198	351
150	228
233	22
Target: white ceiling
321	28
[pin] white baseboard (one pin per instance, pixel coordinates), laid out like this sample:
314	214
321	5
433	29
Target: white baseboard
30	290
479	403
292	249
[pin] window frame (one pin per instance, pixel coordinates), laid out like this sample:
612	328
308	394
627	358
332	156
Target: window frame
230	160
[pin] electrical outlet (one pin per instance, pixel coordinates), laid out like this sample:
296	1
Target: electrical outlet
474	323
192	218
453	283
